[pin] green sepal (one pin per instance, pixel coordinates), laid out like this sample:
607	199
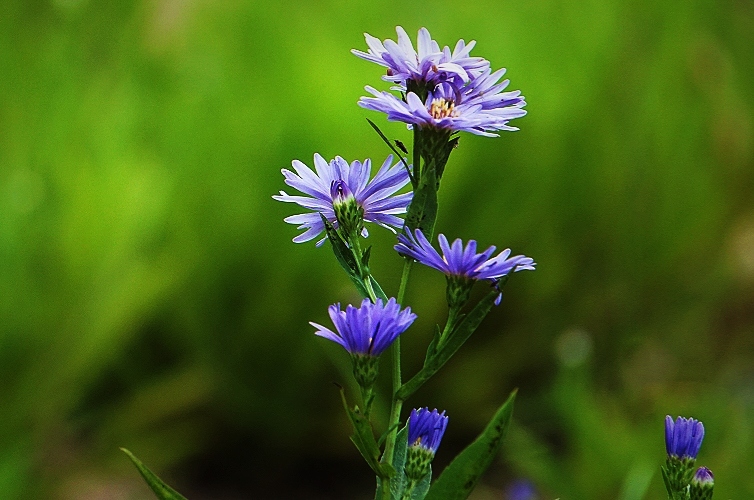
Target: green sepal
457	337
363	439
460	477
422	212
666	480
160	489
399	482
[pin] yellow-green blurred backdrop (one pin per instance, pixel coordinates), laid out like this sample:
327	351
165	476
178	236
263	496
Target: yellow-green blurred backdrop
150	296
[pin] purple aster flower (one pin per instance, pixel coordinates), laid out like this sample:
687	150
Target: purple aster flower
425	431
425	67
683	438
426	428
462	264
702	485
368	330
480	108
337	184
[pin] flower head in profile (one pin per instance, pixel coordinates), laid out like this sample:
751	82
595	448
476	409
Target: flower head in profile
683	437
369	329
426	428
462	264
425	431
425	66
337	188
453	109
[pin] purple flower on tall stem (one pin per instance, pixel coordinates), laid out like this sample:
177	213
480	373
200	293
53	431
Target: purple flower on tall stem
369	329
426	428
427	65
683	438
462	265
337	182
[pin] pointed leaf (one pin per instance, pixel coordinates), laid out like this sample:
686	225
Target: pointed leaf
363	439
378	289
460	477
162	490
399	481
422	212
392	148
456	339
345	257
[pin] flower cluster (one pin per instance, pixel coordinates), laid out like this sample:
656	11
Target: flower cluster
440	89
439	92
683	440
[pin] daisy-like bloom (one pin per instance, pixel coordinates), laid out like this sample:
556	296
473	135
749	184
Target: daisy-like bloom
425	431
462	265
337	188
683	438
368	330
480	107
425	67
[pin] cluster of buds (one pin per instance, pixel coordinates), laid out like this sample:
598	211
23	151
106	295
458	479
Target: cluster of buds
683	439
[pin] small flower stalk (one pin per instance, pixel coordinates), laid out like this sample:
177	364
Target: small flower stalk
366	332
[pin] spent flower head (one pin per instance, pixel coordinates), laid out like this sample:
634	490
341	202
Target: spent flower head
425	66
340	191
461	264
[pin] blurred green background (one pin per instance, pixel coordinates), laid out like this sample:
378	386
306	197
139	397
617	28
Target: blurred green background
151	297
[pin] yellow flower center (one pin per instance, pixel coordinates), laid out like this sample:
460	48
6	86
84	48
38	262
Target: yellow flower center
440	108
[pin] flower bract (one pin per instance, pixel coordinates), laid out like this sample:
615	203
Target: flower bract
338	182
369	329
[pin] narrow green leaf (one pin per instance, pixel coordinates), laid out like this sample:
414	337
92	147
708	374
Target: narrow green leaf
161	490
345	257
422	212
398	481
392	148
456	339
363	439
378	289
460	477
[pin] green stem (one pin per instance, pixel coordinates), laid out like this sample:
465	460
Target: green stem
449	324
363	272
395	410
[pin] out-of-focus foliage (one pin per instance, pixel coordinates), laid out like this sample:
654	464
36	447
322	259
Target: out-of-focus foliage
150	296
